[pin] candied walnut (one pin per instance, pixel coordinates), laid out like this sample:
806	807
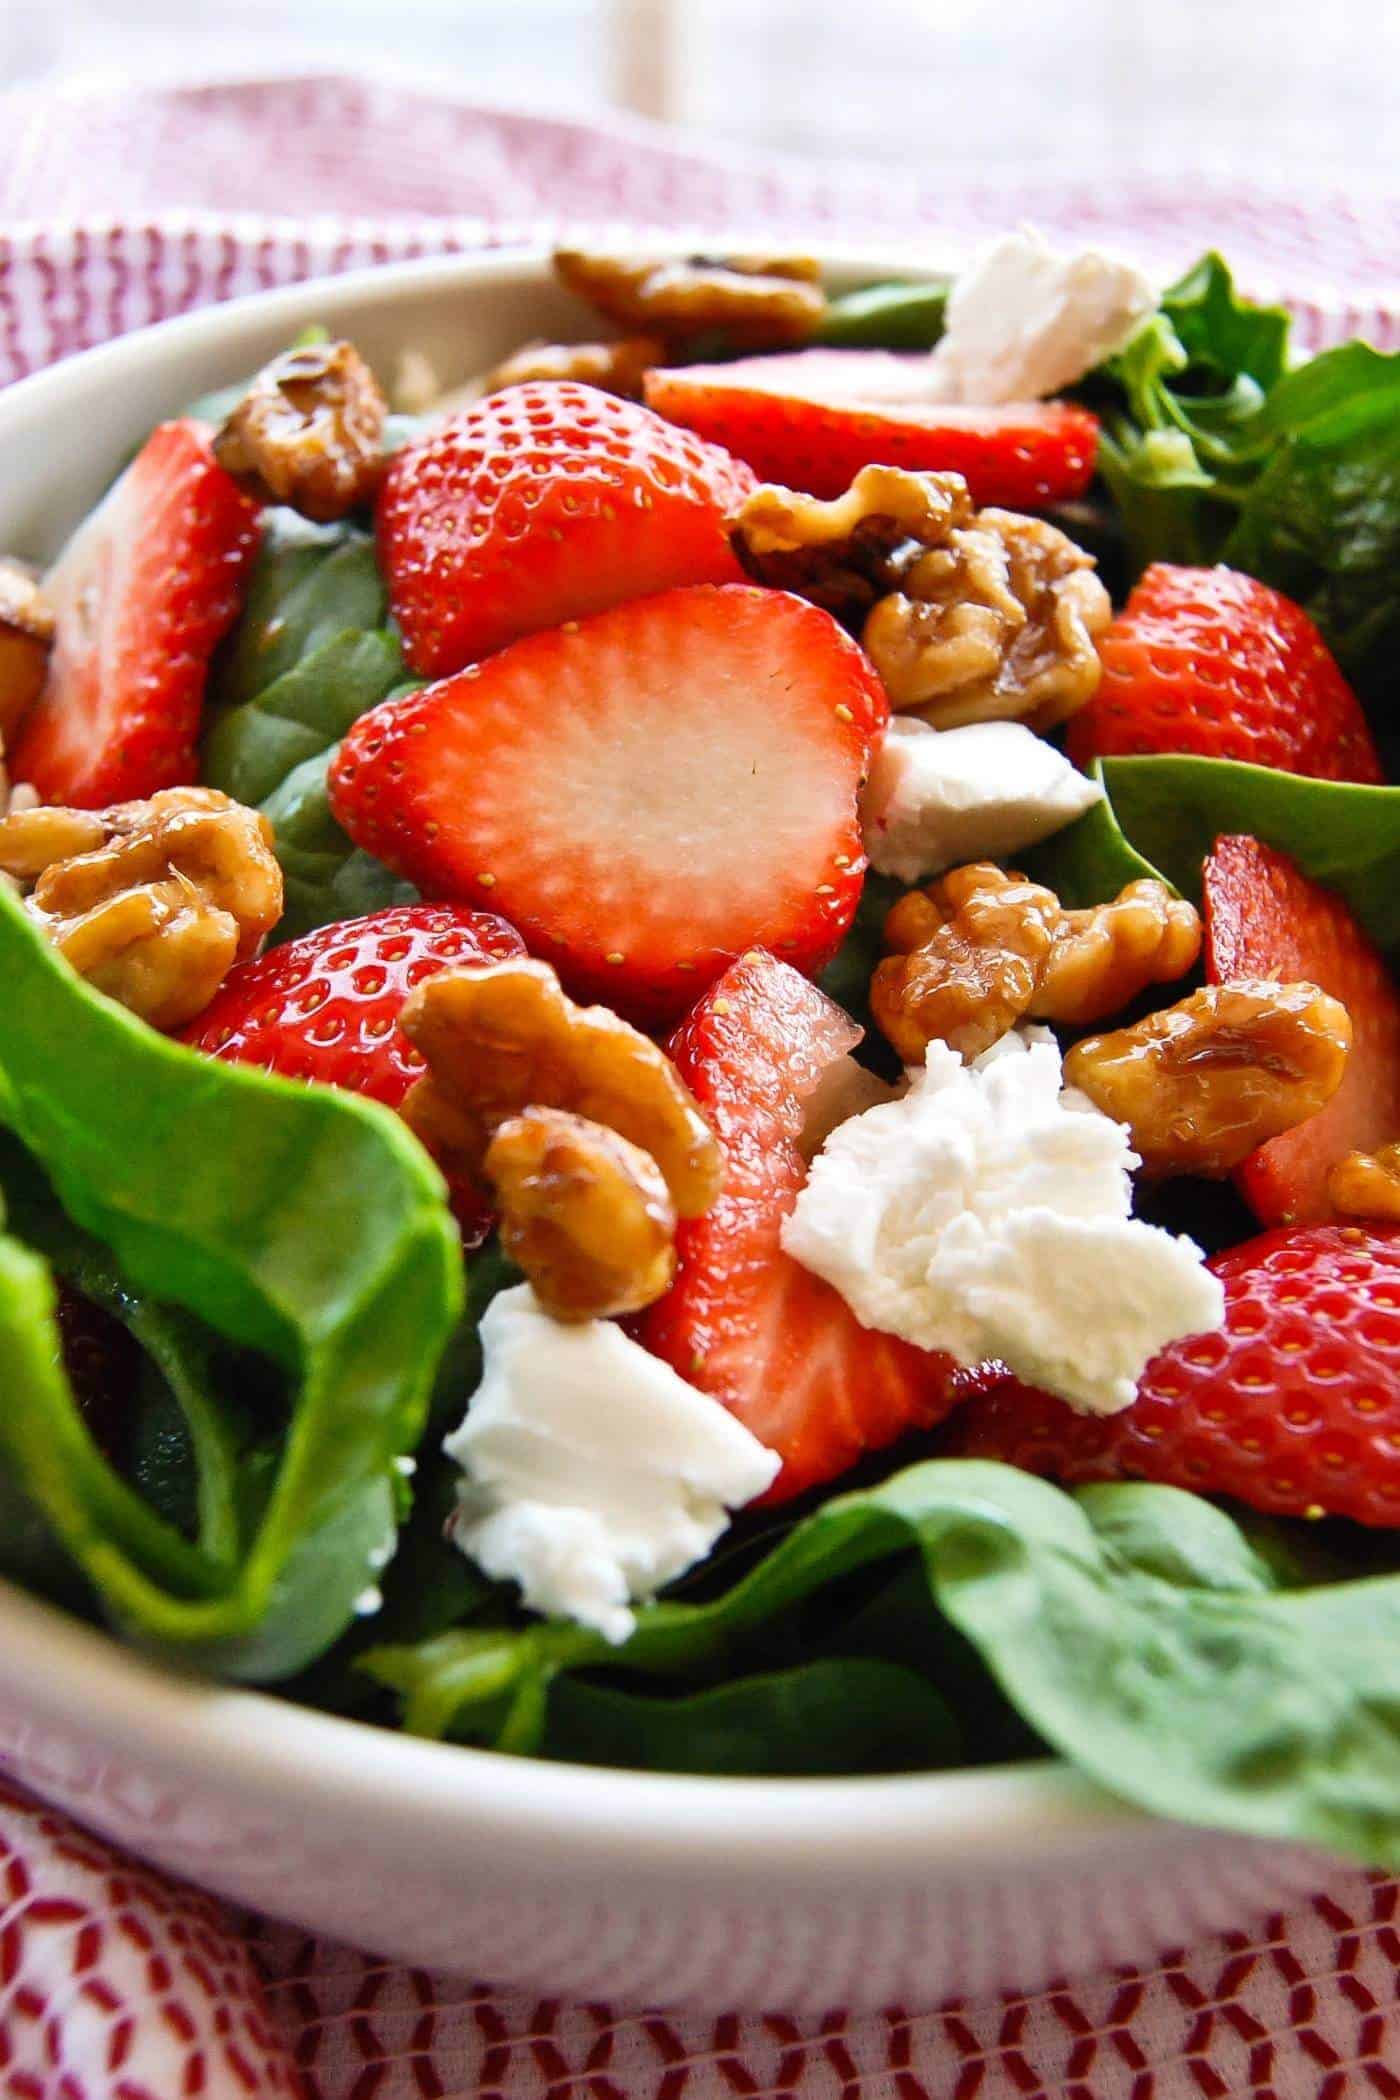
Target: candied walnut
972	947
1203	1083
503	1037
757	303
997	623
1367	1184
847	553
585	1213
308	432
1104	956
26	636
153	902
615	368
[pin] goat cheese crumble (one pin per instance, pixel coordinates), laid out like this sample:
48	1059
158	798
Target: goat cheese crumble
988	1213
592	1473
1025	319
937	798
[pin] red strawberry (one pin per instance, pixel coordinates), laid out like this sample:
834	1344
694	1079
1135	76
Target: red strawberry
541	504
1207	661
644	794
1265	918
812	420
326	1007
1293	1407
142	593
743	1320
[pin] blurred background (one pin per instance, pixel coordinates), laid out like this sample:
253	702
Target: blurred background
1281	89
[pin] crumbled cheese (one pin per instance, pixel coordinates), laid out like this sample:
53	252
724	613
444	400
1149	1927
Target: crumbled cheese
938	797
988	1213
1025	320
593	1474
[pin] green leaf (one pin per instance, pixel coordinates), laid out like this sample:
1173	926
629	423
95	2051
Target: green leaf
301	1223
1091	860
1220	331
887	317
311	584
845	1714
325	877
1135	1629
846	978
250	750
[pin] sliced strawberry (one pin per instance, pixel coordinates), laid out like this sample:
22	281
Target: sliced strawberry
1293	1407
540	504
1210	662
326	1007
644	795
1265	918
813	419
743	1320
142	594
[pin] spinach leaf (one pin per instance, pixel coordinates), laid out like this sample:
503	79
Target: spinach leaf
1135	1629
1091	860
303	1224
887	317
311	584
845	1714
250	750
846	978
325	877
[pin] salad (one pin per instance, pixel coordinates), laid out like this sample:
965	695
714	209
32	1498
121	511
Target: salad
701	1062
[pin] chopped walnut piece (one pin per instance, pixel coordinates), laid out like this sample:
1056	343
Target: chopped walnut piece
847	553
758	303
995	623
1367	1184
615	368
503	1037
308	432
1203	1083
584	1212
972	947
153	902
26	636
1104	956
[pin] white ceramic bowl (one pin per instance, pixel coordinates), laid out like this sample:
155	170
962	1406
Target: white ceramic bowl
635	1887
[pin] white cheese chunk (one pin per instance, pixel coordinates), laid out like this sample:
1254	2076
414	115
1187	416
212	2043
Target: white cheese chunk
988	1213
1025	319
592	1473
939	797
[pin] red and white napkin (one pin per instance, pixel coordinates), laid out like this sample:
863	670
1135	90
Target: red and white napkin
119	207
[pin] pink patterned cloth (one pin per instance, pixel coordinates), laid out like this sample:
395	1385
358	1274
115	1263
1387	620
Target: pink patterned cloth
119	208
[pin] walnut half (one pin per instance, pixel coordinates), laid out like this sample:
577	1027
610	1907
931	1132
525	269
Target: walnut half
847	553
614	368
308	432
1205	1082
153	902
26	637
755	302
1367	1184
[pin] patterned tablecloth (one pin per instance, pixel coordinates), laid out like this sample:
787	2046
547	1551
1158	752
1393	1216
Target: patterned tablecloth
117	208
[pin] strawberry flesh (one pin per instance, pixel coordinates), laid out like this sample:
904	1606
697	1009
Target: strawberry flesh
644	795
143	593
1266	919
813	419
743	1320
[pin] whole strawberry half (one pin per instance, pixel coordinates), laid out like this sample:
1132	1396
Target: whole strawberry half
743	1320
1265	918
143	592
1212	663
1292	1407
644	794
813	419
326	1007
540	504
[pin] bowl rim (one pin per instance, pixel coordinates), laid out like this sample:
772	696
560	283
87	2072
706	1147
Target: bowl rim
59	1671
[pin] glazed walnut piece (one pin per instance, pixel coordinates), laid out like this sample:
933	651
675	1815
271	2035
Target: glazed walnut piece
502	1042
970	950
26	636
756	303
996	623
308	432
1104	956
1367	1184
614	368
585	1213
1203	1083
847	553
153	902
